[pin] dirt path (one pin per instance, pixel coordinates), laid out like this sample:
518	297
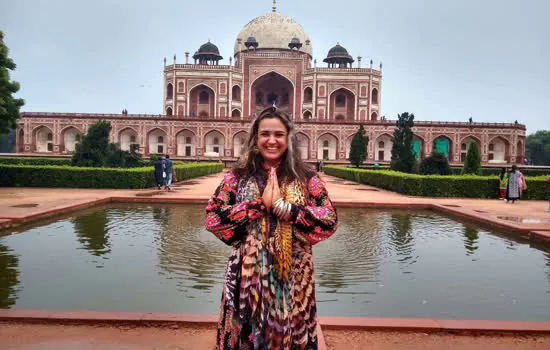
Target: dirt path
365	340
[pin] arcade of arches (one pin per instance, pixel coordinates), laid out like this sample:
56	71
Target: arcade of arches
272	88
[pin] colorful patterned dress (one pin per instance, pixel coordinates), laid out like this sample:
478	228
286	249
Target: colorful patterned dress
268	298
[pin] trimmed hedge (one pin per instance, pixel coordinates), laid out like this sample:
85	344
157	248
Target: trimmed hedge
467	186
79	177
52	161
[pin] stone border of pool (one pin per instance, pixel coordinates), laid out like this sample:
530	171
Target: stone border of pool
326	322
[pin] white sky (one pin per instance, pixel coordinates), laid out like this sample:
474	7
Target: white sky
443	59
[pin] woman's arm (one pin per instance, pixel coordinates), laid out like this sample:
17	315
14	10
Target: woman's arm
227	219
317	220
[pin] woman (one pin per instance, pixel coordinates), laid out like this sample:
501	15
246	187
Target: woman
271	209
503	183
159	169
522	184
512	190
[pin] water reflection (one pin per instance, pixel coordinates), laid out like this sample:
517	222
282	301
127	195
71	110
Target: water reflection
9	277
92	232
187	252
401	237
471	236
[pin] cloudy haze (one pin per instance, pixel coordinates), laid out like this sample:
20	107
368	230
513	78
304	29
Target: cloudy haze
442	60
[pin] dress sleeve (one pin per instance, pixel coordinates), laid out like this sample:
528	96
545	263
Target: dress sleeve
317	220
227	219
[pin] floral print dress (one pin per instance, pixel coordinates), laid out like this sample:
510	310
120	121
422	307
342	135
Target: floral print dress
259	309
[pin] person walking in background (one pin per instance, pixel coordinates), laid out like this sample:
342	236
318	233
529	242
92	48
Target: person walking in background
503	183
159	168
271	209
168	170
512	190
522	184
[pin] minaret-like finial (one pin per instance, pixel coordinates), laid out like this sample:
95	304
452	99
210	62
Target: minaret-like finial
274	8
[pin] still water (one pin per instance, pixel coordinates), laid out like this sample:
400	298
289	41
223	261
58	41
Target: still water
379	264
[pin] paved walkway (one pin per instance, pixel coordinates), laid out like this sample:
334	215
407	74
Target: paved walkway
19	205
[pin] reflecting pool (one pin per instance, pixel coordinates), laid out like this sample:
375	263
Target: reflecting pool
380	263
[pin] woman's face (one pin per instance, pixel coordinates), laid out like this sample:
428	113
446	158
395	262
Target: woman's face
272	139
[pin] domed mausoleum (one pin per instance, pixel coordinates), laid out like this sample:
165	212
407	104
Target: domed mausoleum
207	106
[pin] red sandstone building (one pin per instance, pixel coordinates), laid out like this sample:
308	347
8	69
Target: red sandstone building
207	107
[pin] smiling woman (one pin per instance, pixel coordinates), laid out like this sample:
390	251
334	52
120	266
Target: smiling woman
271	209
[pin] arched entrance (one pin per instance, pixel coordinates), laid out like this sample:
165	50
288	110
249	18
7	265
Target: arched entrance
520	155
213	143
499	150
201	101
239	143
128	138
70	136
236	114
20	147
269	89
465	146
443	144
382	148
186	143
417	145
327	146
43	139
303	145
157	142
342	105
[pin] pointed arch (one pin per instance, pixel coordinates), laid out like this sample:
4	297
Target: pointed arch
157	141
418	146
499	150
186	143
236	93
308	95
444	144
240	140
374	116
70	137
374	96
169	91
202	101
43	138
128	138
169	111
382	147
275	86
465	145
302	146
214	142
327	146
342	103
236	113
307	115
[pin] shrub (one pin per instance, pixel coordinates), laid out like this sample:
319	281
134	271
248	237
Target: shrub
35	161
472	164
467	186
402	155
358	147
82	177
435	164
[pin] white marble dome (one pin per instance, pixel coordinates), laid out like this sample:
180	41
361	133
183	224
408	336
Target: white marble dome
273	31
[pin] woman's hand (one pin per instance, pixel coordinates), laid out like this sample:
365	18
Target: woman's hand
276	191
267	196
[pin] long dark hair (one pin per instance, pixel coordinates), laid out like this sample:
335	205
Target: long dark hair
292	167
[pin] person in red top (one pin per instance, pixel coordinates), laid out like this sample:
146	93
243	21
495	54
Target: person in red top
548	210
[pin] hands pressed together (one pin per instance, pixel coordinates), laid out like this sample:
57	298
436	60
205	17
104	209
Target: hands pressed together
272	191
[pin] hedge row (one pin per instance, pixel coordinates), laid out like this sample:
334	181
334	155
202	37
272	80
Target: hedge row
436	186
484	171
51	161
77	177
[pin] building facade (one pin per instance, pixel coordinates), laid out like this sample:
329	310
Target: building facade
207	107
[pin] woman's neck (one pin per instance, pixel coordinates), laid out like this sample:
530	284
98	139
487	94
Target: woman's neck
272	163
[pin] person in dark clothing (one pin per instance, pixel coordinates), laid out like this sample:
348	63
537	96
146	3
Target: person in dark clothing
159	168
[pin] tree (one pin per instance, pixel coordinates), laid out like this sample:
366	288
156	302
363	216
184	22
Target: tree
402	155
358	148
9	106
7	142
538	148
472	164
94	149
435	164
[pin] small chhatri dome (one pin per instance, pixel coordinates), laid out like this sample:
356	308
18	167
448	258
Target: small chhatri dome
339	55
295	43
207	53
251	42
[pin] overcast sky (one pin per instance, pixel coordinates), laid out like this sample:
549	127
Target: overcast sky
443	59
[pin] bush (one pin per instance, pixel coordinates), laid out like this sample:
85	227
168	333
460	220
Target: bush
435	164
472	164
467	186
35	161
82	177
